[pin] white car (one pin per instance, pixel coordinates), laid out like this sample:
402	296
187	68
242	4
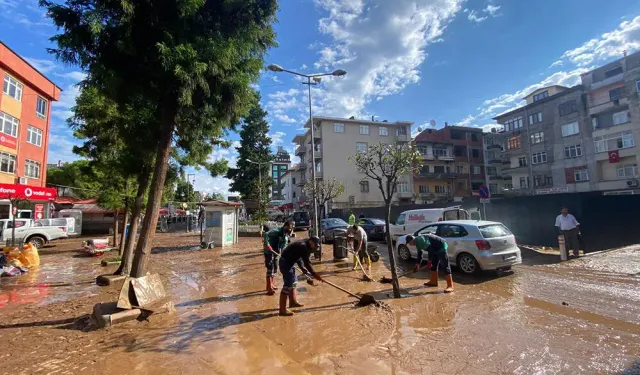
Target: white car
26	230
410	221
472	245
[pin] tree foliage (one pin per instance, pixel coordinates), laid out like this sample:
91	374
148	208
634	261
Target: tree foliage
386	164
184	192
76	176
325	191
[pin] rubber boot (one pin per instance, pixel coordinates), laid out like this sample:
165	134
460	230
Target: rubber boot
433	281
273	283
449	288
293	299
270	290
283	306
355	262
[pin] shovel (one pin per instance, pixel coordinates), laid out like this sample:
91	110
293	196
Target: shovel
388	280
365	300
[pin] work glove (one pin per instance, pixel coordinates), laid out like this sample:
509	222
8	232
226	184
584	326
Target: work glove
318	277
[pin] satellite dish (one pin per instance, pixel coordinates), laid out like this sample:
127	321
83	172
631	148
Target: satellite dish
432	123
420	129
317	79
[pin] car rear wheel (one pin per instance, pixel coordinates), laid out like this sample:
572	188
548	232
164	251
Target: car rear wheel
37	241
467	264
404	253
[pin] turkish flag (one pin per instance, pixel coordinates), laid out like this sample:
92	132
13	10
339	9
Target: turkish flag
614	156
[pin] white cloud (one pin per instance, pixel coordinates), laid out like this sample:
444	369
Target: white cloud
207	184
611	44
285	118
466	121
556	63
62	114
61	147
43	65
473	16
277	138
74	76
492	10
484	14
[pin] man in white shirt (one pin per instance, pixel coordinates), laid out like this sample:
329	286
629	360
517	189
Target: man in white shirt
359	236
569	227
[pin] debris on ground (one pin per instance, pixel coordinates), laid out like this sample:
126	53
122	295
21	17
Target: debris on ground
96	246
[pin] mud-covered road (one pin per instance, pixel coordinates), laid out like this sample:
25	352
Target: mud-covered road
578	317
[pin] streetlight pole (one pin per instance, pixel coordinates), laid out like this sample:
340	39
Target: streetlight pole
316	79
189	187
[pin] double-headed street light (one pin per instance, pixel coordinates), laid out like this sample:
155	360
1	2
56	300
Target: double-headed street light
316	79
259	164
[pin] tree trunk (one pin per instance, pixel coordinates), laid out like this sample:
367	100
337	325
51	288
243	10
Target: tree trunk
127	258
392	256
143	249
115	228
124	228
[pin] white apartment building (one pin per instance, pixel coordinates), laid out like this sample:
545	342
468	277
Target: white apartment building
336	139
292	187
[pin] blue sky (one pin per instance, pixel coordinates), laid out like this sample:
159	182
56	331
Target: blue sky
457	61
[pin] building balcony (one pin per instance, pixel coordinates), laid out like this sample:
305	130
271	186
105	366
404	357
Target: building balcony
462	158
621	104
301	183
506	162
437	176
517	192
495	178
495	161
300	150
405	194
607	81
402	138
516	169
428	157
301	167
434	196
317	154
494	146
447	158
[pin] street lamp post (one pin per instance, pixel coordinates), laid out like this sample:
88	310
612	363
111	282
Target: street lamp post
316	79
259	164
188	190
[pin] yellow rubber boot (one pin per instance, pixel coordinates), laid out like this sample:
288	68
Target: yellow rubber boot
293	299
433	281
449	288
283	306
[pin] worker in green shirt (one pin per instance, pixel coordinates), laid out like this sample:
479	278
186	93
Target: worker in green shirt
352	219
275	241
436	248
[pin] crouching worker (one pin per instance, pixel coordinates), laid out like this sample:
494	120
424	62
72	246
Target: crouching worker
296	253
358	237
274	241
436	248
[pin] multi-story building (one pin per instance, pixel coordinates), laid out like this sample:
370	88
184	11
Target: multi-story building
279	167
497	183
292	188
452	163
25	113
547	145
614	115
336	139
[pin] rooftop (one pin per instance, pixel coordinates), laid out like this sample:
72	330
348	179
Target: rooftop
541	101
358	121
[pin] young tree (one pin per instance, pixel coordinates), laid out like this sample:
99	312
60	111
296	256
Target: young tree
74	176
184	192
326	191
192	61
385	164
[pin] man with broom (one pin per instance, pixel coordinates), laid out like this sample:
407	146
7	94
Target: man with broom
296	253
358	235
436	248
274	241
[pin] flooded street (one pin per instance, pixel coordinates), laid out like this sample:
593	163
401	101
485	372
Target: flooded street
578	317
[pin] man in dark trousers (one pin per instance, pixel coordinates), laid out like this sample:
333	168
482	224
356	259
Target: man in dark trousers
296	253
569	227
436	248
274	241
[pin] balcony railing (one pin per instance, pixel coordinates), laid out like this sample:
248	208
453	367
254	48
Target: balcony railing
301	150
494	161
494	146
437	176
447	158
405	194
428	157
402	138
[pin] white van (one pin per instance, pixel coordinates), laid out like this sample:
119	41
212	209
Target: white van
413	220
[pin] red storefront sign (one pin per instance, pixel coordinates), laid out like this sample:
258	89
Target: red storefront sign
39	209
8	141
34	193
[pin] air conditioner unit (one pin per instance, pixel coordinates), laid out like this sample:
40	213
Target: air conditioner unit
632	183
352	199
22	180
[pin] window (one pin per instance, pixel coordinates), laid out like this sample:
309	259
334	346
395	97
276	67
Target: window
7	163
541	96
493	188
402	187
621	117
294	194
548	180
462	184
507	186
512	124
572	151
401	130
318	167
537	137
570	129
34	136
535	118
492	171
41	107
522	161
364	129
424	189
476	170
475	153
594	122
613	72
460	168
432	229
361	147
626	171
537	181
494	230
12	87
8	124
615	141
400	220
616	94
293	180
523	182
438	169
338	127
383	131
440	189
580	175
474	137
32	169
364	186
513	143
452	231
539	158
439	151
568	108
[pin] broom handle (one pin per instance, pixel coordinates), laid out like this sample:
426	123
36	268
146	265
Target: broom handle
278	258
412	271
342	289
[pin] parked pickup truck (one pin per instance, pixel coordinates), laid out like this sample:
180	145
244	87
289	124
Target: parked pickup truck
26	231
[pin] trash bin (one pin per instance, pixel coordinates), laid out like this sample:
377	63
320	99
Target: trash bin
340	251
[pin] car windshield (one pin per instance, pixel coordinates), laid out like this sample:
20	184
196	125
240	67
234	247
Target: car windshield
334	222
494	230
377	221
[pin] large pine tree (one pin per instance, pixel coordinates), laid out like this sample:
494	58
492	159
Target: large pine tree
255	145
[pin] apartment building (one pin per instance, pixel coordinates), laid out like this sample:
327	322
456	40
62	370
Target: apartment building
292	187
614	114
279	167
335	140
493	144
452	163
547	145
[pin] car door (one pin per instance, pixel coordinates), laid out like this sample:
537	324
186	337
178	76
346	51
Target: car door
429	229
398	229
366	225
454	235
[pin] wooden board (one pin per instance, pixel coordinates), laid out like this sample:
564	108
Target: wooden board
148	290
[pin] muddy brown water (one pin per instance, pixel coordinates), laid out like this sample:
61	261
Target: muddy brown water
578	317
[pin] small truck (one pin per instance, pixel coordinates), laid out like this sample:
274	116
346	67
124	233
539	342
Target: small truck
26	231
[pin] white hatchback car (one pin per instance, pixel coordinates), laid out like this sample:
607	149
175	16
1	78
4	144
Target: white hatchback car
472	245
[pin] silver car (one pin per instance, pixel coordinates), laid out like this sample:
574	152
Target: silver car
472	245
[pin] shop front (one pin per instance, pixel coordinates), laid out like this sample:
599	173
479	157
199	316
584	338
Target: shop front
27	202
